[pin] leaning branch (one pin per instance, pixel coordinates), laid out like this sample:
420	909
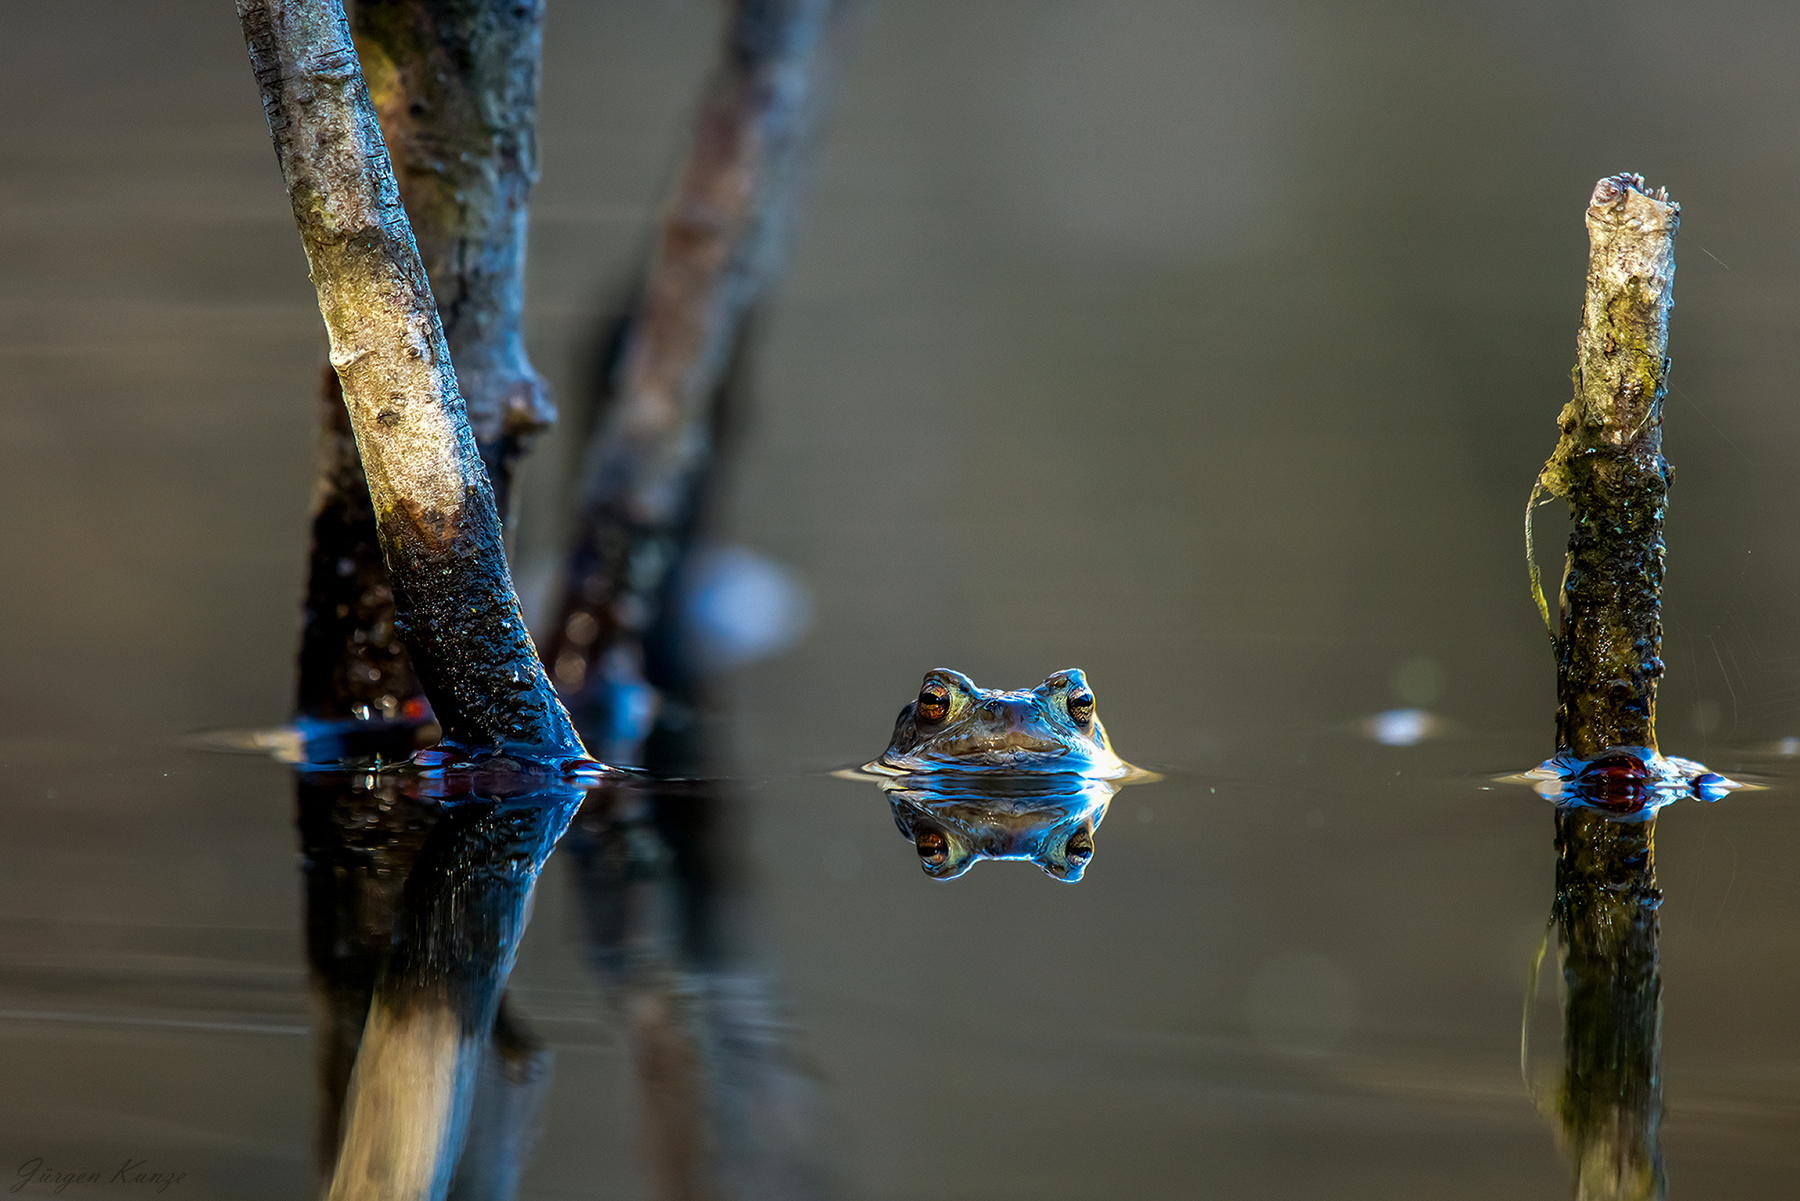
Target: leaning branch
1610	469
434	507
712	259
455	88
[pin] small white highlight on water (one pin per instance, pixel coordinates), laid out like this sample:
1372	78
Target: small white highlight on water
1401	727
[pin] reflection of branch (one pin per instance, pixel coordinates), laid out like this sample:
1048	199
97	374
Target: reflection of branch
729	1110
437	1000
357	846
1606	915
363	839
438	528
1609	467
711	260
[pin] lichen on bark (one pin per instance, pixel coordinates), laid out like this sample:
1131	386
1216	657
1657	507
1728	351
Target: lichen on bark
434	506
1609	467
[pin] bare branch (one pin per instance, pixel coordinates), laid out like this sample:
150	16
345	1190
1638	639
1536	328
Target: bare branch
455	87
712	259
439	532
1609	467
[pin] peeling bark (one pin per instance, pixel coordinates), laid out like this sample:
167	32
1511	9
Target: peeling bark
1610	469
712	258
436	521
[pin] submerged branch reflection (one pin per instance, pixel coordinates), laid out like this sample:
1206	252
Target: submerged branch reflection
1607	1107
416	902
730	1107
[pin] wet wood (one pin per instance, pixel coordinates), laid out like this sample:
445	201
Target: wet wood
434	506
1610	469
358	694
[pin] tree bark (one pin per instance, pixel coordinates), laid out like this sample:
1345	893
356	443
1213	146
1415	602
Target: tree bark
1610	469
435	516
455	87
712	258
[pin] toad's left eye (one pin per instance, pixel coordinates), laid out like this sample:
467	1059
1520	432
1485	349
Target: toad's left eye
934	702
1081	707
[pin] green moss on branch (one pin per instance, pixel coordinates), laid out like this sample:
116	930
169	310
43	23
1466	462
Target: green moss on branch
1610	469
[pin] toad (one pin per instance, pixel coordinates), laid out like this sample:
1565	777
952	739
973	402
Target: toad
952	724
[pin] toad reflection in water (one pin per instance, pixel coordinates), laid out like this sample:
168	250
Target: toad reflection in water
975	773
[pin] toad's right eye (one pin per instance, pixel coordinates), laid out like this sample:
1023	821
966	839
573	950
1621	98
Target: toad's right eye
934	702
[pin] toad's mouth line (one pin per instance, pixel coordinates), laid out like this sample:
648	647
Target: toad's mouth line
1014	747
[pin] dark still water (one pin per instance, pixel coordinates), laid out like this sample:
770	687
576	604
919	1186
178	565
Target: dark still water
1210	349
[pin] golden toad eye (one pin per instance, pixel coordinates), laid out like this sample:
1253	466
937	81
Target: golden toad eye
933	847
1081	707
934	702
